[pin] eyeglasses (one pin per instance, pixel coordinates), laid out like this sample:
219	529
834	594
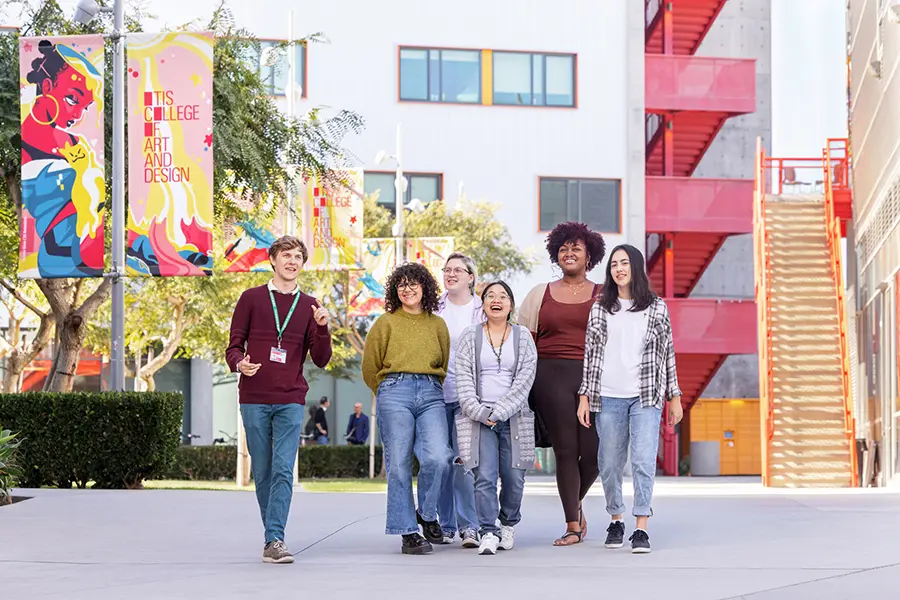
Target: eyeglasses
456	271
408	285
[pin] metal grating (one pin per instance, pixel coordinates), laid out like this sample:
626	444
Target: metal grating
886	217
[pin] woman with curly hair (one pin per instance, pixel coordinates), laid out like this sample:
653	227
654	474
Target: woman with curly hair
404	364
557	316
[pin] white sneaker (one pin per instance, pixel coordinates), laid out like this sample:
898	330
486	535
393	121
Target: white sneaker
489	544
507	537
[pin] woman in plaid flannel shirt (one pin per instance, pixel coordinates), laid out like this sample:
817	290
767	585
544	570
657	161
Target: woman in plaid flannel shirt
629	374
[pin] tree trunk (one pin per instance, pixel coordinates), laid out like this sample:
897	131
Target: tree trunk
71	340
12	375
170	345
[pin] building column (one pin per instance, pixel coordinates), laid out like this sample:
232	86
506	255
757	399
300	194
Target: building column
201	402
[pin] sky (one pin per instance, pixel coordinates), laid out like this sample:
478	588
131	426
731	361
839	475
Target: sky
809	73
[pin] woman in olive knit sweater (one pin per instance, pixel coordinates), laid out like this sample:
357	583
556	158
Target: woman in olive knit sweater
404	364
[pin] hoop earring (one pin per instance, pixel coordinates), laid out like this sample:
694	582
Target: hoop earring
51	121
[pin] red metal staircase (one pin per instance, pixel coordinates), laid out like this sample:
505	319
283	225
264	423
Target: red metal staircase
688	99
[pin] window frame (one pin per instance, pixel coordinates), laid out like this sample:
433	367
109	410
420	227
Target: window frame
270	85
543	56
407	198
441	49
617	180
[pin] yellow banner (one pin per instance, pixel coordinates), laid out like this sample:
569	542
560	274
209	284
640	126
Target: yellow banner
333	220
431	252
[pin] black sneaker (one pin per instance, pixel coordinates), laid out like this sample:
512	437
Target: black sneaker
413	543
615	535
640	542
431	530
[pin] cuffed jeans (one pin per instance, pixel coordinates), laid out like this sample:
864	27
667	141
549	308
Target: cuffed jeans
495	462
623	425
412	419
273	438
456	506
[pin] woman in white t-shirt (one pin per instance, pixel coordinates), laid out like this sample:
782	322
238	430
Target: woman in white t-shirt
459	307
629	374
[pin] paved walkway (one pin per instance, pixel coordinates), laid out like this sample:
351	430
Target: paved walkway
711	540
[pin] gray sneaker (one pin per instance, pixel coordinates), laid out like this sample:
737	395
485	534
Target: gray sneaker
469	538
277	552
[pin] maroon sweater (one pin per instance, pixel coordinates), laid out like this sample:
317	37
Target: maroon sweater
253	332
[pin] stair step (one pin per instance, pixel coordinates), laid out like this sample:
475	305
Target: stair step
813	411
809	433
819	467
787	338
825	400
835	453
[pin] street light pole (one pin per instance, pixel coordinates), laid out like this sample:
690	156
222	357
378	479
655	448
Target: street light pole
117	354
399	195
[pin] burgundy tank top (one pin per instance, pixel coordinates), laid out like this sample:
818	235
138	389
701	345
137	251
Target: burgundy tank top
561	327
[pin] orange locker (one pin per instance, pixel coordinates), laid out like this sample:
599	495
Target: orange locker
735	425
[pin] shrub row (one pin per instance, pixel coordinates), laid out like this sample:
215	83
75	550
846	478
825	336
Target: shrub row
115	439
327	462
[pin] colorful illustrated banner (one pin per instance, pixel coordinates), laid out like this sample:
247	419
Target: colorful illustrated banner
366	289
170	155
333	220
249	249
63	188
431	252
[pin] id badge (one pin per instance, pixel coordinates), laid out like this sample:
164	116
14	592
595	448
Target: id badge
278	355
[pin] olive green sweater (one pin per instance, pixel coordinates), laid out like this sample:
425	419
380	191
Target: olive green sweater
402	343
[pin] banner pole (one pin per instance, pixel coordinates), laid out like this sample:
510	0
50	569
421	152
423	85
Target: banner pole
117	328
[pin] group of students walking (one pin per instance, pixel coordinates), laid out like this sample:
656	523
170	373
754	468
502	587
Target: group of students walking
470	384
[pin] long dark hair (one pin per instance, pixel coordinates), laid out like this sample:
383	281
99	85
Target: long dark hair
509	292
413	273
641	294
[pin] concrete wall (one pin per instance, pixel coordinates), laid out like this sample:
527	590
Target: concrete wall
742	30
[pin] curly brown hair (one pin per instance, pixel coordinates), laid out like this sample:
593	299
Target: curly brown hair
414	273
573	232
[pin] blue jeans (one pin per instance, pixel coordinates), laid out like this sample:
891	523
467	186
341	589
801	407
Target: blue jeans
456	506
495	462
273	438
623	425
412	420
322	440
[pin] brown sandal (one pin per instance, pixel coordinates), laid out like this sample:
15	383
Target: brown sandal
568	534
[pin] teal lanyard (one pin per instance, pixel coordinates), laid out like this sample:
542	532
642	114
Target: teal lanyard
278	326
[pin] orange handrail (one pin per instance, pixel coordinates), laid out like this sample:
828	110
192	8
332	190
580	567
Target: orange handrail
835	154
762	289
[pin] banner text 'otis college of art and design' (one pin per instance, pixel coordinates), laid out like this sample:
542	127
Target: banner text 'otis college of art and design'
431	252
170	155
333	220
63	189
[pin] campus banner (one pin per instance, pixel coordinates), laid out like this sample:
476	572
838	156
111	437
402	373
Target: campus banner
63	188
333	220
365	295
170	154
248	247
431	252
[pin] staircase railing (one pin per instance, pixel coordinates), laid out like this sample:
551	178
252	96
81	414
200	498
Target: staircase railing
836	166
762	288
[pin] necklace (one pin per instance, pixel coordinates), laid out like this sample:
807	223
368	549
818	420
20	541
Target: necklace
498	352
415	320
575	287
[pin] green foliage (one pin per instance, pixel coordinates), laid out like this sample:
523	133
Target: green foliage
203	463
336	461
115	440
9	471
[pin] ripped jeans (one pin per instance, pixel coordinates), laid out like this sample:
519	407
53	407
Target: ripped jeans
456	506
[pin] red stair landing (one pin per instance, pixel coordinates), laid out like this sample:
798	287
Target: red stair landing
695	251
692	20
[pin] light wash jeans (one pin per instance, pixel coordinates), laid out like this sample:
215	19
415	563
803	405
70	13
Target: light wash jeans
322	440
456	506
495	462
623	425
412	420
273	439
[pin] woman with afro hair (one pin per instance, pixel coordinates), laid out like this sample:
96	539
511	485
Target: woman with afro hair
557	314
404	364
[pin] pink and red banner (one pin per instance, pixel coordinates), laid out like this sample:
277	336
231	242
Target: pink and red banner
63	188
170	154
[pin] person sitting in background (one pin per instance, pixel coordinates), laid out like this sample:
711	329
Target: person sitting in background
358	426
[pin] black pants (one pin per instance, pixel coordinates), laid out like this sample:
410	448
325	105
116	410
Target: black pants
575	447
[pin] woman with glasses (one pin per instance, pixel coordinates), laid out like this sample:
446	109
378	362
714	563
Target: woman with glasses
404	363
460	308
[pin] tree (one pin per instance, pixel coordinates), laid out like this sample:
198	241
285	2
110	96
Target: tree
23	307
259	141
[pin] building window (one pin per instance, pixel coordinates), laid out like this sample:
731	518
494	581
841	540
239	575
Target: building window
595	202
271	60
427	187
440	75
534	79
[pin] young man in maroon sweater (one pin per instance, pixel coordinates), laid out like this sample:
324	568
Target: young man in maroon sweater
272	329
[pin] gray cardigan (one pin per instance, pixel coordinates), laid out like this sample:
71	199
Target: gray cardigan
512	407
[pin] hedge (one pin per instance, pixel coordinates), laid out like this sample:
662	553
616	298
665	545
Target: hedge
114	439
328	462
204	463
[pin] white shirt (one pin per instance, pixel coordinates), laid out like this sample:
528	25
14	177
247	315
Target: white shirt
272	288
457	317
624	348
496	381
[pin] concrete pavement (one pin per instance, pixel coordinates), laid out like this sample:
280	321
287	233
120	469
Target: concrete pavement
711	540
